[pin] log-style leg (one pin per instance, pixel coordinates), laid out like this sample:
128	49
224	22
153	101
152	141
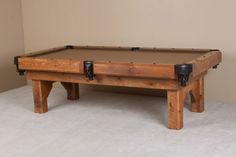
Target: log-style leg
41	91
197	96
175	108
72	90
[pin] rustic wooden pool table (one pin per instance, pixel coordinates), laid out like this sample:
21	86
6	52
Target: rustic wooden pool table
179	71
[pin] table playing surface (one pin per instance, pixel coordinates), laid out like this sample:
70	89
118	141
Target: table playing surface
125	56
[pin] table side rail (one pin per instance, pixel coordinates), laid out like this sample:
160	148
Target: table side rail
54	65
100	68
205	62
142	48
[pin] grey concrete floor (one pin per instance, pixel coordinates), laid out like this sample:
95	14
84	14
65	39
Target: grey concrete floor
103	124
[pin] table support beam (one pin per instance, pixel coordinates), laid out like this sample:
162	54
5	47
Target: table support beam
175	101
72	90
175	93
41	91
197	96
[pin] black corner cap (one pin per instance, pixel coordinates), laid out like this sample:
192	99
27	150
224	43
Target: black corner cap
183	71
16	62
69	47
135	48
89	70
216	66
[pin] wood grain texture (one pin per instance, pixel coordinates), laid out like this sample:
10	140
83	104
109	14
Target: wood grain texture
153	75
72	90
100	68
150	83
197	96
55	65
175	101
136	70
105	80
176	93
206	62
41	91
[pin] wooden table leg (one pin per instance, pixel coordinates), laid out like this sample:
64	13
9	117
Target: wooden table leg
197	96
175	108
72	90
41	91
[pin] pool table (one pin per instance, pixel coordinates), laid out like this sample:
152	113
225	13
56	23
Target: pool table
178	71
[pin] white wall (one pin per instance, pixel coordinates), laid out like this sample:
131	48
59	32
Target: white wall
150	23
11	43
